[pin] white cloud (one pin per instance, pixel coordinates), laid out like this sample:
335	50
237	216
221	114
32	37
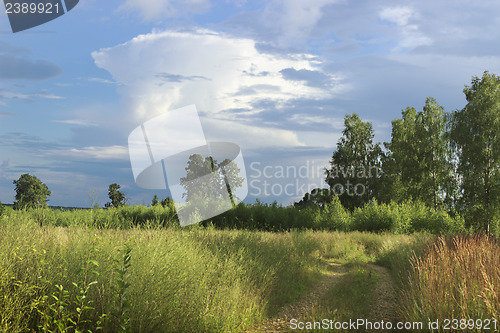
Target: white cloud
249	136
411	36
152	10
80	122
398	15
165	70
100	80
295	19
97	153
14	95
307	119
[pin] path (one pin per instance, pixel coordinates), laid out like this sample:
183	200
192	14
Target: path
385	297
299	309
383	309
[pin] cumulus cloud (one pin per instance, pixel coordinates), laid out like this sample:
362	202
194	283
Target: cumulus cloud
165	70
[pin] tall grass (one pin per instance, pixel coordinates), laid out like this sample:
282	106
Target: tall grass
459	277
177	281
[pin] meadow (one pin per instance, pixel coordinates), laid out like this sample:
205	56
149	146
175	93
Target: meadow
133	269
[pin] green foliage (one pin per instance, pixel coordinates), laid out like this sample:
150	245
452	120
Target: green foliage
474	132
122	303
168	203
334	216
318	197
418	165
60	308
404	218
1	208
262	216
355	165
203	280
207	178
116	196
155	201
30	192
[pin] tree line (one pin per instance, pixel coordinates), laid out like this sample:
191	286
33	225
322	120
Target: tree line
446	160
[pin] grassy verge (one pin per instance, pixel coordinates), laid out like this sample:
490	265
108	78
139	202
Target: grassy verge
456	278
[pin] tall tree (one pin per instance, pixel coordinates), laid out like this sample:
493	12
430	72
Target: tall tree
30	192
476	134
221	175
402	171
437	167
116	196
355	165
418	156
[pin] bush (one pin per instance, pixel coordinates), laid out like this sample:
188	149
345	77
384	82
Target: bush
334	216
407	217
1	208
374	217
266	217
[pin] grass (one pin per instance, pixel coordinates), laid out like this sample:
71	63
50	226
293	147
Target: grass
178	280
351	297
119	275
457	277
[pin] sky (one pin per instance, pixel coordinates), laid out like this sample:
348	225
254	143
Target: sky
275	77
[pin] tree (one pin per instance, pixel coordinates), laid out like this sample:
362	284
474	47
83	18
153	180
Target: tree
475	132
355	165
318	197
116	196
401	162
437	166
155	201
418	164
30	192
207	179
167	202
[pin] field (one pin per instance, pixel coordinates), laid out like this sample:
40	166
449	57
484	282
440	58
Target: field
98	270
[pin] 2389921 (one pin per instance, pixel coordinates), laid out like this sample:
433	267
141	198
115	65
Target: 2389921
31	8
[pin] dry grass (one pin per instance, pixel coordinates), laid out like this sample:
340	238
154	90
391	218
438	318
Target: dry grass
459	277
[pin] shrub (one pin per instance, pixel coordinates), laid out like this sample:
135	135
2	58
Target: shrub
334	216
374	217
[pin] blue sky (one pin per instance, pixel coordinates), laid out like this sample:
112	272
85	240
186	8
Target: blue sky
276	77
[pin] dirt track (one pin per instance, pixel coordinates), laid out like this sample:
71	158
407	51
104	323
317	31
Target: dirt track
383	309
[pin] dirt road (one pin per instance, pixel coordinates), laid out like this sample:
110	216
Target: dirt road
383	307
